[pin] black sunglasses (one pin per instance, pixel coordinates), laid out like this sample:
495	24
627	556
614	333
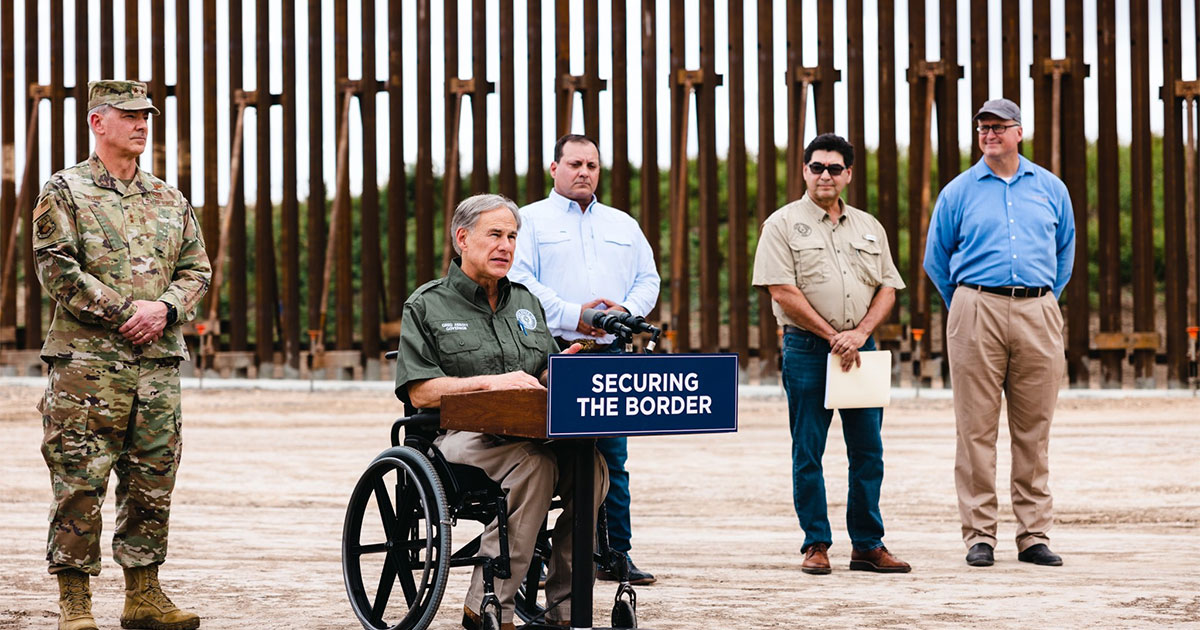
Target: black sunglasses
834	169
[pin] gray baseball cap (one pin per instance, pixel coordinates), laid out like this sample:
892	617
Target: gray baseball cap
1001	108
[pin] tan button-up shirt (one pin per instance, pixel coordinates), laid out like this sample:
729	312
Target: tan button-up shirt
839	267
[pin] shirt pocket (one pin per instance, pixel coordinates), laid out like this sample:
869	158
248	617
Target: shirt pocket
553	237
866	262
811	259
97	233
168	230
459	352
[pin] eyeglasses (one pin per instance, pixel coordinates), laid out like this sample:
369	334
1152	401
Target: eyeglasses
996	129
834	169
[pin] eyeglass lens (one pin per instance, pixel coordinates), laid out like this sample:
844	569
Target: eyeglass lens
834	169
996	129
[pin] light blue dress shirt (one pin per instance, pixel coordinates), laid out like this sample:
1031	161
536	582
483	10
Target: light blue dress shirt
994	233
568	256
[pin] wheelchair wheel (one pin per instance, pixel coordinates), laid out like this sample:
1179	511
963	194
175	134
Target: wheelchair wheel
396	533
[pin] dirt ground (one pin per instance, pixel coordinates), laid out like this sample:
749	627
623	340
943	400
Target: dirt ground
266	475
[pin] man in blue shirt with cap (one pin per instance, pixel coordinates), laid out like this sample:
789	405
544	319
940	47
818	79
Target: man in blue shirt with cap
1000	249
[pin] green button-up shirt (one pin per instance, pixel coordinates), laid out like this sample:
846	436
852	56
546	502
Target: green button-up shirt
101	245
449	329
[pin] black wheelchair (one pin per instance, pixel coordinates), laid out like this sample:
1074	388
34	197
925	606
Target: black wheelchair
397	532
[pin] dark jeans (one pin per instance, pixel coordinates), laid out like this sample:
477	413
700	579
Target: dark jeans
804	359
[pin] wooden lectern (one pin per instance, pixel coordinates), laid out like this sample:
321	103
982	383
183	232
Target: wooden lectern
511	412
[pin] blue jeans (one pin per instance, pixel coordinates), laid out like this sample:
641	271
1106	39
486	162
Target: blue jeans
616	504
804	359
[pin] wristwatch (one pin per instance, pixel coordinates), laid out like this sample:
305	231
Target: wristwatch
172	315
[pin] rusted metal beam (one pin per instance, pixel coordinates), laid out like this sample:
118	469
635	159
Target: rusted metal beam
591	70
979	63
797	91
855	96
823	90
739	279
158	86
80	91
1141	187
651	211
8	158
508	117
183	97
133	37
1174	212
1010	49
107	34
949	159
343	245
766	202
887	186
709	216
239	330
58	61
562	65
1108	174
424	192
265	295
1042	85
1073	153
619	182
33	291
371	263
451	184
397	199
479	55
678	217
535	177
289	215
920	101
210	217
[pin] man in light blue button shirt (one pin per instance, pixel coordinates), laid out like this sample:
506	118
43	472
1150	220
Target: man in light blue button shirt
575	253
1000	249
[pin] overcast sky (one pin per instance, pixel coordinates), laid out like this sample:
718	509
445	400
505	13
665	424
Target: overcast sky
633	81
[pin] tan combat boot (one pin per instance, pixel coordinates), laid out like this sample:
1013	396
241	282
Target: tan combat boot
146	606
75	601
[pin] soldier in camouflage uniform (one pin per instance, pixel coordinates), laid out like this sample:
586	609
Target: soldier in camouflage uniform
121	254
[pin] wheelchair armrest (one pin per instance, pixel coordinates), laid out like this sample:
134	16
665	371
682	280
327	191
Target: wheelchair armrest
423	420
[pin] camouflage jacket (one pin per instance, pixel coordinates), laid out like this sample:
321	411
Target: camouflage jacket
98	249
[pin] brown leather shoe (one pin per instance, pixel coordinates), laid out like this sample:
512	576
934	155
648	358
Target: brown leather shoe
879	560
472	621
816	560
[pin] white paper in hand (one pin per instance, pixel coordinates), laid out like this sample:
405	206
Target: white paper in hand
868	385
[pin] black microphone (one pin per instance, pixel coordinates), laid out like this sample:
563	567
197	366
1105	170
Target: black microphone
637	323
608	322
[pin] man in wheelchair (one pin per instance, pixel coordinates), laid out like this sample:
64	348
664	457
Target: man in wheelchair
475	330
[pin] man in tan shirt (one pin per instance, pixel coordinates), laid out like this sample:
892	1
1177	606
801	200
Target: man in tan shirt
831	278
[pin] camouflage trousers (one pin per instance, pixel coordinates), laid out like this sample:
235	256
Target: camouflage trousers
106	416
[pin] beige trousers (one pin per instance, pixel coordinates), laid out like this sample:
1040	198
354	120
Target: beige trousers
1015	346
530	473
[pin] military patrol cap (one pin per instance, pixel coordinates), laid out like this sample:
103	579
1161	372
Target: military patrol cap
127	95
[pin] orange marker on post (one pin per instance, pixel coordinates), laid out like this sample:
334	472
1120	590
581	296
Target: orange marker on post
917	333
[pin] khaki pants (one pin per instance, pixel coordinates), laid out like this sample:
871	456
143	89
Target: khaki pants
531	474
997	343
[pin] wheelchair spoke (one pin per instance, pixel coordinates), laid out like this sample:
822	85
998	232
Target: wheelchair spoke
387	577
385	507
408	585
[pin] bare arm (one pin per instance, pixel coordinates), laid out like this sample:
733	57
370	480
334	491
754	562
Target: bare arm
428	393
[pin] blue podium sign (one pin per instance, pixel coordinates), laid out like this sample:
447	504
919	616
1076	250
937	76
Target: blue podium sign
598	395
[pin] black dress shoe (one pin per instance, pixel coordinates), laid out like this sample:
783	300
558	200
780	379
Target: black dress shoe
980	555
637	577
1040	554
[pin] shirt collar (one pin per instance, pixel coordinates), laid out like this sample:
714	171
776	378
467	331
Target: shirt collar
982	170
568	204
817	212
469	289
105	179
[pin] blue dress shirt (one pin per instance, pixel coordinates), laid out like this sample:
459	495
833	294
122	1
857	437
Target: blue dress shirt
994	233
567	256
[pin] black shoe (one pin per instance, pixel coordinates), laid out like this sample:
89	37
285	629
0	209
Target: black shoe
1040	554
980	555
637	577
